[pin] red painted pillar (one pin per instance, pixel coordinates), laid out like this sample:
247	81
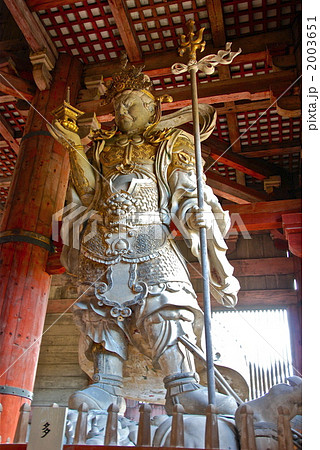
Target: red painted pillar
37	191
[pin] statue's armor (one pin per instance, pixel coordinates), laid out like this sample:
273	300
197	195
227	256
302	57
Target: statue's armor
129	256
134	286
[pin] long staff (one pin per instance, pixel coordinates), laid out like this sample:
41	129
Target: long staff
191	43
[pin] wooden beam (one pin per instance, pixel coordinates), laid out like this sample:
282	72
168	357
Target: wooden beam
161	63
4	144
231	197
16	86
221	109
219	38
33	34
126	29
267	297
221	152
292	226
243	107
217	150
258	298
255	87
261	215
216	22
228	189
283	148
252	267
8	134
5	181
11	46
252	88
229	159
279	206
38	5
7	98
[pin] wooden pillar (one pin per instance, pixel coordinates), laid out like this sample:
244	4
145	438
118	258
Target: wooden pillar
37	191
295	320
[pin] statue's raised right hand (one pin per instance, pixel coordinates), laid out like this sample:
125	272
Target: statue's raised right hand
62	135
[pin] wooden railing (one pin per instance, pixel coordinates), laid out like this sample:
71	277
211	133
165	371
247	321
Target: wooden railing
249	440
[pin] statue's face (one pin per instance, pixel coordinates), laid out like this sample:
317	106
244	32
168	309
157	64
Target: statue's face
131	113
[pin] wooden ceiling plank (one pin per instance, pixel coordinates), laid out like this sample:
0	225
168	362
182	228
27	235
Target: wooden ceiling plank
252	267
258	298
26	22
126	29
283	148
257	222
5	181
16	86
217	181
277	206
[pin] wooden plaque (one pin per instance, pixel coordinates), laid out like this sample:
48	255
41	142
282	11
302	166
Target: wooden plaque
47	428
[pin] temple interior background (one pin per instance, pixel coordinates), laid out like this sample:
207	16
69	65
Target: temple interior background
252	159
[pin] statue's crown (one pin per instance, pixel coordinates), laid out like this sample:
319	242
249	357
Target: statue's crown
129	77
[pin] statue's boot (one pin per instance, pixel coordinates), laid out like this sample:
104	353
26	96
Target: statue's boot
107	383
184	389
100	395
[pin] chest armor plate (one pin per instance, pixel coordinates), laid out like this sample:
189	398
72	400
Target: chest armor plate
127	154
131	229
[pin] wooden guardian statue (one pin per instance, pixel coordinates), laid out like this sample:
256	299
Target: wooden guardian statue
134	287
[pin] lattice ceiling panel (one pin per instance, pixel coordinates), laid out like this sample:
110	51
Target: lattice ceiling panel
221	130
289	161
158	23
88	30
225	171
3	195
174	81
170	81
85	29
259	67
253	16
7	162
268	129
249	69
9	111
8	157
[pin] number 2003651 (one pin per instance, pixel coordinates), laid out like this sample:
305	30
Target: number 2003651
311	43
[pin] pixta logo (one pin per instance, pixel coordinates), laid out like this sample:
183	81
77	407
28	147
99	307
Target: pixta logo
73	216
